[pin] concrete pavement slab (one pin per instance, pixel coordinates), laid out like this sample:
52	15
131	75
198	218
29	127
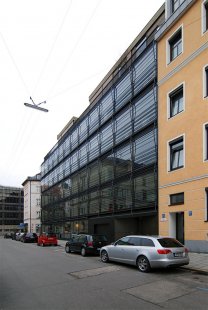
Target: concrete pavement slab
161	291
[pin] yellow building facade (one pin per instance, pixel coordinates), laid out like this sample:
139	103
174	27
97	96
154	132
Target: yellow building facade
183	123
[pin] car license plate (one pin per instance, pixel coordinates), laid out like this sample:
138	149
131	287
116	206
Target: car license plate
178	254
50	238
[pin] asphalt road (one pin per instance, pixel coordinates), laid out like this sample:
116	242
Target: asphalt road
33	277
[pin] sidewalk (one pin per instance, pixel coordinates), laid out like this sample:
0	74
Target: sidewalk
198	261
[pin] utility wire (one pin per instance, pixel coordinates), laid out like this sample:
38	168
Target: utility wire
26	121
73	50
14	63
27	90
75	85
53	45
23	127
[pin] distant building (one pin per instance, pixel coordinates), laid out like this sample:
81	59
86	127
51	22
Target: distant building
32	202
11	208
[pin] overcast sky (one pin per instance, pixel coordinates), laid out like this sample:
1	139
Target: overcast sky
58	51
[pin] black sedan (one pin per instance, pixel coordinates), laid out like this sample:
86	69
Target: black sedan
29	237
86	244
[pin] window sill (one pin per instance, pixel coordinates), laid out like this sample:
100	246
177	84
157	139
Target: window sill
175	169
171	117
176	204
172	60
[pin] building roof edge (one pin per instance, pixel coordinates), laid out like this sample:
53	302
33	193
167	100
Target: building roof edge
135	41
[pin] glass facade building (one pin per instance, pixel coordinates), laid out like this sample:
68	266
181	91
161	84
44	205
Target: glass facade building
11	208
101	176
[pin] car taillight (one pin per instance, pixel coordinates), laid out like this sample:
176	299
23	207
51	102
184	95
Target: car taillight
89	243
163	251
186	250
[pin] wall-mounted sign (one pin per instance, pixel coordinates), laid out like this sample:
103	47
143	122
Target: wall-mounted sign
163	218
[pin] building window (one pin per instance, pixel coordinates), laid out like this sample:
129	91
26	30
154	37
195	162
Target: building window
176	154
140	47
176	99
176	4
206	204
176	199
205	16
175	45
206	82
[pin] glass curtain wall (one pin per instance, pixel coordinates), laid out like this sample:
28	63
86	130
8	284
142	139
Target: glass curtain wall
107	162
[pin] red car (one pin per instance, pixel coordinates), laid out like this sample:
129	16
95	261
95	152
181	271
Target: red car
47	239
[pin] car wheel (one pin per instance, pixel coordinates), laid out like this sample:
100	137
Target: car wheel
67	249
104	257
143	264
42	244
83	252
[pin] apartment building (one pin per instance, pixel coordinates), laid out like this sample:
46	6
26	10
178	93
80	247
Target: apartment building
32	203
11	208
183	123
101	176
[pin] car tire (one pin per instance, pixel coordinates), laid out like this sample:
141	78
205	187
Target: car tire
67	249
83	251
104	256
42	244
143	264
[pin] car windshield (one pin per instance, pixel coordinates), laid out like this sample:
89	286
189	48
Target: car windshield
169	243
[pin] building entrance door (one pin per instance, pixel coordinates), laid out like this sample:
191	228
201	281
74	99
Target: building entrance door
180	226
176	225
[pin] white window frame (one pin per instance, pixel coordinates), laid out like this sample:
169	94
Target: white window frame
169	142
169	101
205	143
168	60
205	82
203	17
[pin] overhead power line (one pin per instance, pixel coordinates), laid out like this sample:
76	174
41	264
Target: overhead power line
53	45
74	48
14	63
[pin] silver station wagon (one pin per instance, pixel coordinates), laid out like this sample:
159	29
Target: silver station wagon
146	252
